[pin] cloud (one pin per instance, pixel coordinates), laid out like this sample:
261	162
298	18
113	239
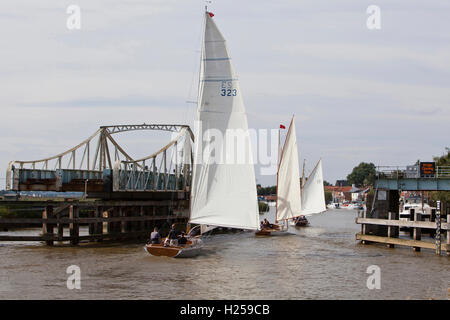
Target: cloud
358	95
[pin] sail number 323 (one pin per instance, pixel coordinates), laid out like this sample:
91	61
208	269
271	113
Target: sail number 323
227	90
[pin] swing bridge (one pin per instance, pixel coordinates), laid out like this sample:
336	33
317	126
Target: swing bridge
123	198
108	171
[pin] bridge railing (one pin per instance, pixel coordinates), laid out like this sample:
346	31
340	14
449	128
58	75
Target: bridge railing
410	172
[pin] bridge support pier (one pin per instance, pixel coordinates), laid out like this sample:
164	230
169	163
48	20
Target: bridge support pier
74	213
47	228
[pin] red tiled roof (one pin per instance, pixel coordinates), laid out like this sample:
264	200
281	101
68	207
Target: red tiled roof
338	189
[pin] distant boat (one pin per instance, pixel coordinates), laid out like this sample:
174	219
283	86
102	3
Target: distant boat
405	211
223	194
313	196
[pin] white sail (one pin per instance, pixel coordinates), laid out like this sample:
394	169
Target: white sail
313	194
288	186
223	190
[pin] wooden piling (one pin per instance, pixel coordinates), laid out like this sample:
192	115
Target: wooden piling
390	245
60	226
448	236
123	224
417	232
138	218
363	226
92	225
98	225
74	227
47	228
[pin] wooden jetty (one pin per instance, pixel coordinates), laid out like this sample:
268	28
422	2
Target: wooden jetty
106	219
392	237
380	223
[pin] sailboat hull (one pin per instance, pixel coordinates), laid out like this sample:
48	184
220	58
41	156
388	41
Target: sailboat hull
277	230
190	250
299	222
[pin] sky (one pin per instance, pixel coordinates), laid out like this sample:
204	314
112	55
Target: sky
380	96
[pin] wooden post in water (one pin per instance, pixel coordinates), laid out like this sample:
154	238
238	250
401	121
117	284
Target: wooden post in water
74	212
123	226
389	245
433	219
363	226
92	225
417	231
60	226
411	218
141	226
448	235
47	228
110	227
99	225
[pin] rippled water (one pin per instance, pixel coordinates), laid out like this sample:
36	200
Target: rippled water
322	261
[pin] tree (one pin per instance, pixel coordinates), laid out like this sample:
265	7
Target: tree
326	183
362	175
328	196
443	160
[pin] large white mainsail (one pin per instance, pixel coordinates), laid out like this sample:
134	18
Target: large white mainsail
223	190
313	194
288	182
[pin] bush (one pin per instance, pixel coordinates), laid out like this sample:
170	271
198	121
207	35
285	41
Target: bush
263	207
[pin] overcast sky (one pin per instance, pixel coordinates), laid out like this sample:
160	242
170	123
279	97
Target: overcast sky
380	96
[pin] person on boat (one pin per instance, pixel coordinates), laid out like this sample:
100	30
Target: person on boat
267	224
173	236
261	225
166	242
182	240
155	237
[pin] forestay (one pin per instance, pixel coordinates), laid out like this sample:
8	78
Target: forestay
223	186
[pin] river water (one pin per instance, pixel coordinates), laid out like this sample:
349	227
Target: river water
322	261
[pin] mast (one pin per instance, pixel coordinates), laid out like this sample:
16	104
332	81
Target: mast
278	167
223	189
288	177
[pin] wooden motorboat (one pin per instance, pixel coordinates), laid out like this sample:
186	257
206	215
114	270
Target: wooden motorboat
190	249
300	221
274	230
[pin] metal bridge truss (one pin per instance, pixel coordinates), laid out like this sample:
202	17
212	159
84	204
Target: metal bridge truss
100	164
409	178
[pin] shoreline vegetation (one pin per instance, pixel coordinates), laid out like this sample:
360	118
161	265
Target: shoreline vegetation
263	207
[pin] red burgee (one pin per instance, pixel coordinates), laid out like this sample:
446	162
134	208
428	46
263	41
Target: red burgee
282	127
211	14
